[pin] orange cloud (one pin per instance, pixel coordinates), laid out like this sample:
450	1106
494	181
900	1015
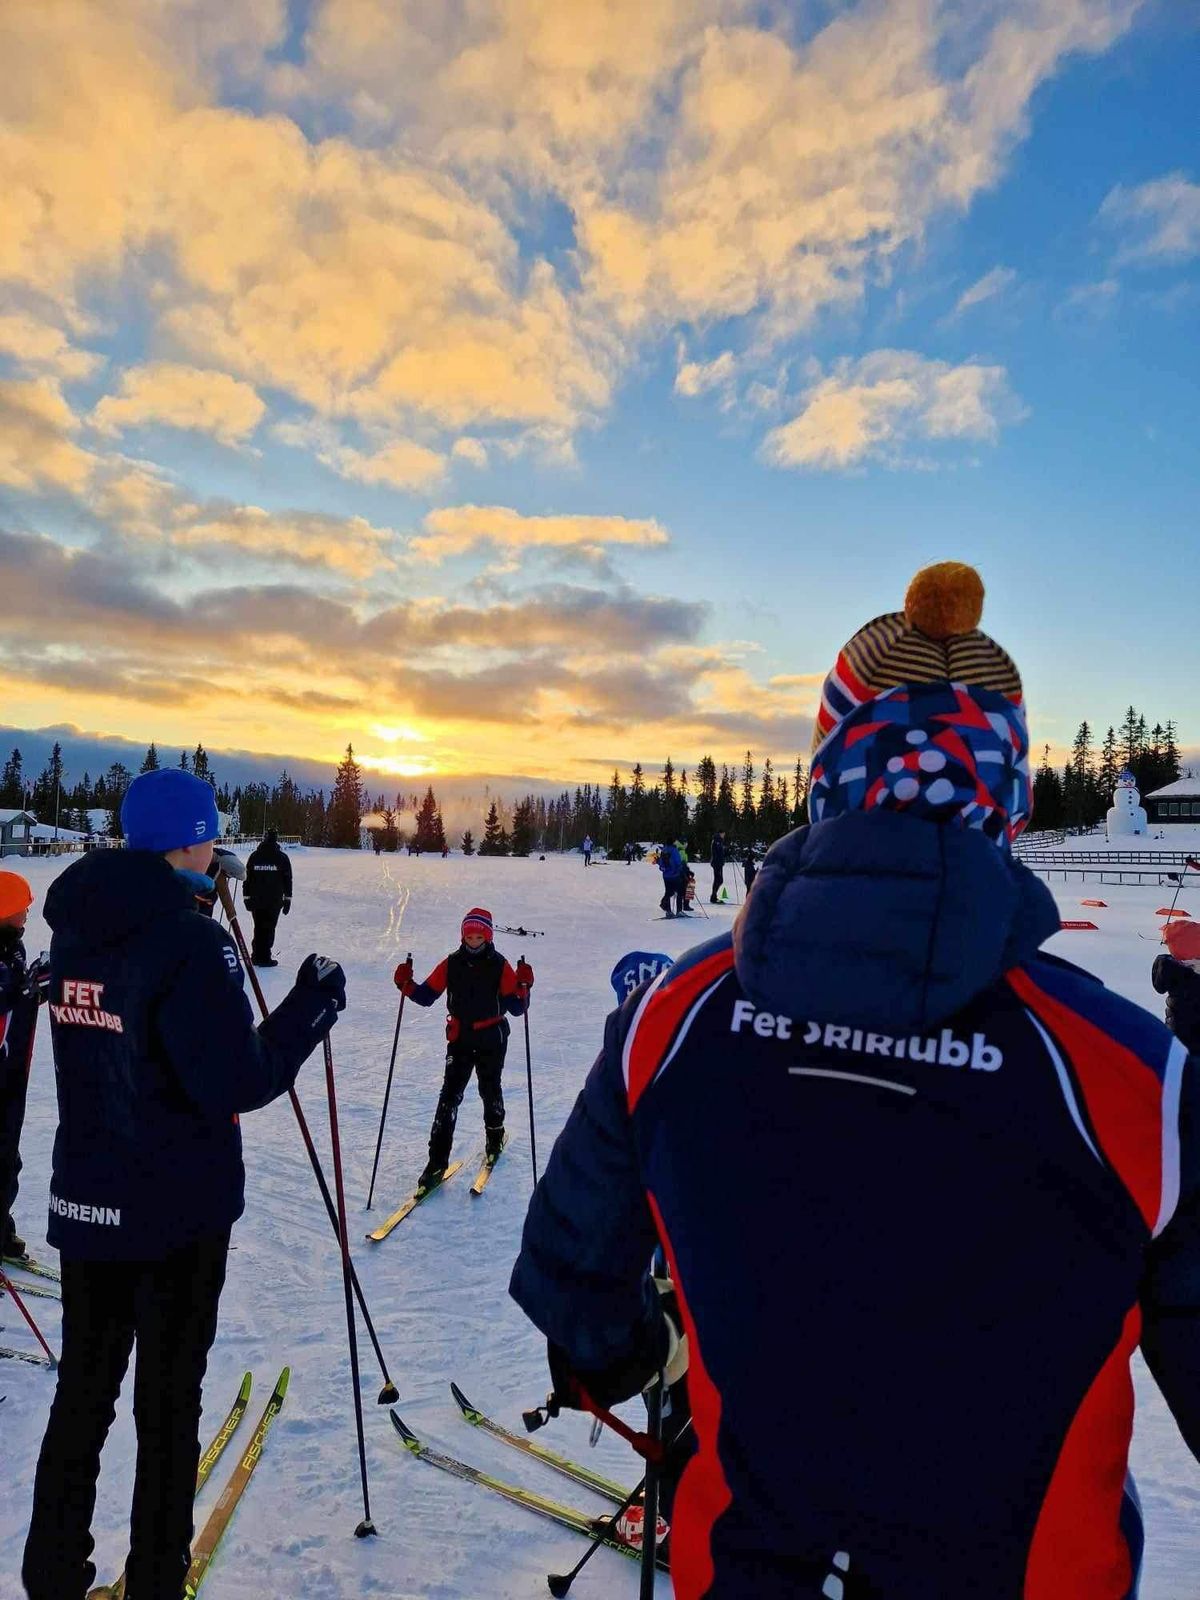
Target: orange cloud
37	447
178	396
453	530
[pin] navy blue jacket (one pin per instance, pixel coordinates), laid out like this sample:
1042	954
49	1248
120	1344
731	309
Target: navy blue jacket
922	1191
18	1003
155	1054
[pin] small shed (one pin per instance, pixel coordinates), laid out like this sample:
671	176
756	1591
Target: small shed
16	832
1175	802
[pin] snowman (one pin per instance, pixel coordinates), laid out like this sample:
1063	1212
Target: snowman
1127	815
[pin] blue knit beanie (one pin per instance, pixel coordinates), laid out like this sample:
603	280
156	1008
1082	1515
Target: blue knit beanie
168	809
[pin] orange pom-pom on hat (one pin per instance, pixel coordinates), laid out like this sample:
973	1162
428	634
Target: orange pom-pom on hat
1182	939
15	895
935	639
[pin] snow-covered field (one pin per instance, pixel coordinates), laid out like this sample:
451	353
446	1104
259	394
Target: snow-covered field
437	1287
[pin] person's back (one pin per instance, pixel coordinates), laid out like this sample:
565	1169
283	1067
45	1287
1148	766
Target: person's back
919	1187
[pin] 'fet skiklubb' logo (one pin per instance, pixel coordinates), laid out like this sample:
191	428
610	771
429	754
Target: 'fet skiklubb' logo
943	1049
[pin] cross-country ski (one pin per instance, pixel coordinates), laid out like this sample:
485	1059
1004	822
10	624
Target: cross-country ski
204	1547
487	1167
529	1447
418	1197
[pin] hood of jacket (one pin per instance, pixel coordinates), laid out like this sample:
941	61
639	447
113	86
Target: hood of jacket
107	895
878	920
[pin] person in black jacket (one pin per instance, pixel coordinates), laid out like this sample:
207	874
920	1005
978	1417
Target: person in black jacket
268	892
21	988
155	1056
716	860
480	987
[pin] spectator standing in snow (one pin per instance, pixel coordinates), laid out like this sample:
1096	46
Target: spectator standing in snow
716	860
586	847
482	991
268	892
22	987
1177	975
670	864
155	1056
749	867
992	1188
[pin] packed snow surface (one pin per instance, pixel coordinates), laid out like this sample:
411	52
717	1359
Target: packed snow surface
437	1287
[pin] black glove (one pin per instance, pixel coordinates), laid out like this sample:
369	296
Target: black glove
619	1381
325	974
287	905
37	978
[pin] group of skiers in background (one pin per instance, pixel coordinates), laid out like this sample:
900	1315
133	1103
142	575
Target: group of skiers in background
872	1148
679	881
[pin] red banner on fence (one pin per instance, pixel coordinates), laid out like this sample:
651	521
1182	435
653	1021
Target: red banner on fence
1079	926
1101	903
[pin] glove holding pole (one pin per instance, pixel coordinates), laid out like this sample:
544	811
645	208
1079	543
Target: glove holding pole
403	978
389	1393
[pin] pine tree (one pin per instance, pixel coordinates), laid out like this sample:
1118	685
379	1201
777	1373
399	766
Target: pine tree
430	834
522	829
1106	778
12	782
200	766
116	780
343	819
184	763
747	818
495	840
468	843
150	759
1047	796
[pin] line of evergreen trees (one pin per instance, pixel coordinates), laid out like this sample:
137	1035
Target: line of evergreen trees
1079	796
750	806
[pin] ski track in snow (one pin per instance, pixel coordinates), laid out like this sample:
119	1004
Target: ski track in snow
437	1288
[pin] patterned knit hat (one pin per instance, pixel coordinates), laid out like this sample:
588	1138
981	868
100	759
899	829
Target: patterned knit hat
478	921
923	714
935	639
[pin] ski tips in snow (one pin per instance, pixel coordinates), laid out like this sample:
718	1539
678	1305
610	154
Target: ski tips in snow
410	1439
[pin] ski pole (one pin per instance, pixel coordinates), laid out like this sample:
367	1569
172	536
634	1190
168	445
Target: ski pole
6	1285
559	1583
529	1082
1194	865
366	1527
389	1393
654	1417
387	1093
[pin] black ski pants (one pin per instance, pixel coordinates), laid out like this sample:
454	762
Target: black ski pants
169	1309
266	920
718	880
483	1054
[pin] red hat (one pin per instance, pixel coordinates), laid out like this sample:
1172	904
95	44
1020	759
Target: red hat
1182	939
15	895
479	921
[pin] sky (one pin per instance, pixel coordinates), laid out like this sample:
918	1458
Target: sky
516	388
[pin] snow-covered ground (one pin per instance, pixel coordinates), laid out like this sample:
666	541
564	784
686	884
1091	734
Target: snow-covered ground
437	1288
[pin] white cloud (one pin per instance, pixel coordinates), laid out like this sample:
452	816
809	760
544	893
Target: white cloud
40	347
473	451
38	452
1160	220
700	377
992	283
878	407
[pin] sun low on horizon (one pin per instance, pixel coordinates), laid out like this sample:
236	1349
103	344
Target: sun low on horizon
532	389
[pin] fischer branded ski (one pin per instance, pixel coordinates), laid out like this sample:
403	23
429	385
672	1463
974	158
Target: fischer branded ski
116	1590
565	1516
210	1535
380	1233
37	1268
569	1469
34	1359
487	1168
34	1291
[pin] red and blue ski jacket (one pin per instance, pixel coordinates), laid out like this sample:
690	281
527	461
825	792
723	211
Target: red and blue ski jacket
923	1192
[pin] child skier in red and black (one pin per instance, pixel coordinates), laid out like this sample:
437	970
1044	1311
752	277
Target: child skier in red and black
482	991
